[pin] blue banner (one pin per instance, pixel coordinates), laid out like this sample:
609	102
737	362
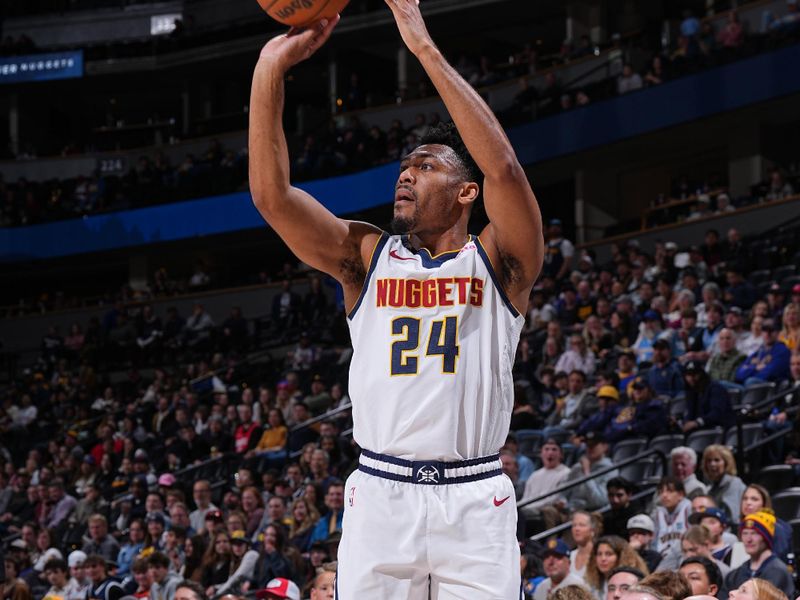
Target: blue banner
41	67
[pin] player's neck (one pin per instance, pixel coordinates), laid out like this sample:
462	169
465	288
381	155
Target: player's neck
439	242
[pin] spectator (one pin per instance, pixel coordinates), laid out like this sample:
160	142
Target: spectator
557	568
731	36
757	532
790	332
273	561
549	477
201	492
740	292
769	363
615	521
526	467
644	416
590	495
100	543
621	579
573	407
243	564
725	359
559	252
102	586
585	528
578	357
683	462
670	585
610	552
216	562
641	531
164	580
131	549
703	575
651	331
55	570
608	401
756	498
665	377
708	403
672	515
629	80
60	504
331	521
719	469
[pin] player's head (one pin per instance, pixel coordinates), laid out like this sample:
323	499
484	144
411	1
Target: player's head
438	184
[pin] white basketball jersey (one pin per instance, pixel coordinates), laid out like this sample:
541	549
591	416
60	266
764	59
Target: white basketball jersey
434	341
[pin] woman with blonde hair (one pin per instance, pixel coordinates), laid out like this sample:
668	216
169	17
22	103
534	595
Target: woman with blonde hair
586	528
719	469
610	552
304	516
790	333
757	589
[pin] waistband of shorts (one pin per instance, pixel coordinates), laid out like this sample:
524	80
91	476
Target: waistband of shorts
429	472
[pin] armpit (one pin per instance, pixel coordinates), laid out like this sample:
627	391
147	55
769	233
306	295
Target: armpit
352	270
510	270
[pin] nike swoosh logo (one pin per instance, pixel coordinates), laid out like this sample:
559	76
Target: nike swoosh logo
500	502
394	254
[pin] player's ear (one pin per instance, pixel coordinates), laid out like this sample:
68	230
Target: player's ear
468	193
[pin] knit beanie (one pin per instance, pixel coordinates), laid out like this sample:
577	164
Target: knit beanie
763	522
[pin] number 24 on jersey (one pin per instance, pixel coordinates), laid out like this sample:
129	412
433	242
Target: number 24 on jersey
442	341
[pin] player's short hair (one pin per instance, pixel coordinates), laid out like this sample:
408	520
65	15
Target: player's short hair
446	134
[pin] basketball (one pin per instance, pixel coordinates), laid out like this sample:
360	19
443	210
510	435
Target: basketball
299	13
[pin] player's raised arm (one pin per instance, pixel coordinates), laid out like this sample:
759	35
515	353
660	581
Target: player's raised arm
514	237
338	247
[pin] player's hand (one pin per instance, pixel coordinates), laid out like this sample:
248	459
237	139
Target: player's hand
411	25
297	45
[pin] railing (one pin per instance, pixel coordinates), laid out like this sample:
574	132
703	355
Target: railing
603	471
322	417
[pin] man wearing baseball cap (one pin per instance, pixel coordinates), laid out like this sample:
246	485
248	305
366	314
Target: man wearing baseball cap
641	532
280	588
607	401
769	363
757	532
645	417
559	254
557	568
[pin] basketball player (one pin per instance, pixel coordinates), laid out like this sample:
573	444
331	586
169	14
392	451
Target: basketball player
435	316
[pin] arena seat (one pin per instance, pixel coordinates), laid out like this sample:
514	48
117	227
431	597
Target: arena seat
775	477
666	443
755	393
528	441
639	470
699	440
677	407
760	276
751	433
627	448
786	504
783	272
